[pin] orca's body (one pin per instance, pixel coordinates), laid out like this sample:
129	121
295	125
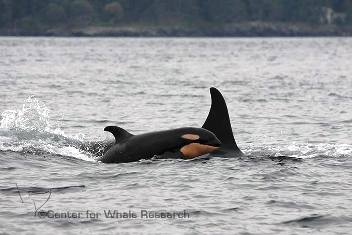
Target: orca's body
184	143
215	137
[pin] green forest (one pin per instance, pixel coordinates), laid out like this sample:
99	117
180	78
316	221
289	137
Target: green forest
39	16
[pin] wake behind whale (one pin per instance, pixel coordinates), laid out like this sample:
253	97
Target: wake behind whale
30	130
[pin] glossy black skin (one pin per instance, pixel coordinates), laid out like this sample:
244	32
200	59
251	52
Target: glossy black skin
218	122
145	146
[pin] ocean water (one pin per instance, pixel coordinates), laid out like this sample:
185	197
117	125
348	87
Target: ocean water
289	99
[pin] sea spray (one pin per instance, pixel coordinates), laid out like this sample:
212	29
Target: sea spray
31	130
34	115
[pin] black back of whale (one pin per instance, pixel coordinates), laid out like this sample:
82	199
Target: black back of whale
218	122
130	148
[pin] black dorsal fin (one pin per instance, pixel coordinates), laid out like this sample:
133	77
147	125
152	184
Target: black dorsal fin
119	133
218	121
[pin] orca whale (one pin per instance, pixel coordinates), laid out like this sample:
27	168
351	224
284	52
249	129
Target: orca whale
186	143
218	122
215	137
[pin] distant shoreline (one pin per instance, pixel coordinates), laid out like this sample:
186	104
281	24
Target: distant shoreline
249	29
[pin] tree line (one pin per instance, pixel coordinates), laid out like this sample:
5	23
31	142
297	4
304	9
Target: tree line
40	14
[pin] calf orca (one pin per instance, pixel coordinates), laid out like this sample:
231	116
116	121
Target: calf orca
218	122
187	142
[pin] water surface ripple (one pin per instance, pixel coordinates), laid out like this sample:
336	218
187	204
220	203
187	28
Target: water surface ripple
289	102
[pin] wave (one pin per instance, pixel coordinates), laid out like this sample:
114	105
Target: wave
300	151
318	220
30	130
41	190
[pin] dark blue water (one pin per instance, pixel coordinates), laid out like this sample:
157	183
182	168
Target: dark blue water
289	102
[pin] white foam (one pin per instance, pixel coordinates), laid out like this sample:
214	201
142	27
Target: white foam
31	128
299	150
68	151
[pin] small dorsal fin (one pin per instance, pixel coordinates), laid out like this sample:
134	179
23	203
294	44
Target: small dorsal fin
119	133
218	121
